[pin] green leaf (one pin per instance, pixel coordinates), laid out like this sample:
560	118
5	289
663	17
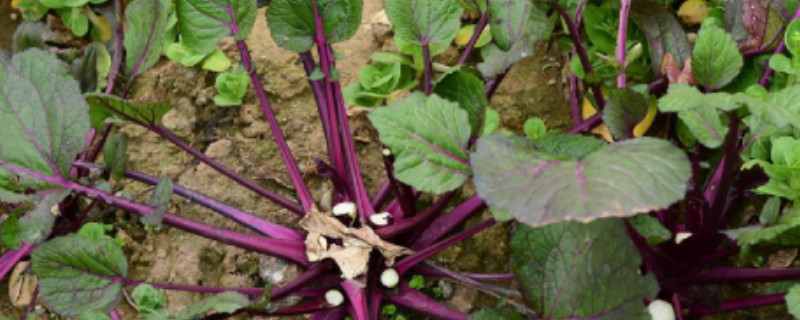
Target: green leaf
217	61
793	301
496	62
115	156
792	38
563	268
621	179
145	27
291	22
705	125
567	146
508	21
75	20
93	315
663	32
316	75
105	106
35	226
424	22
223	303
782	63
151	302
466	89
597	20
184	55
770	212
95	231
53	4
716	60
428	136
84	69
625	109
33	10
496	314
785	232
162	195
473	5
203	23
491	122
650	228
231	88
781	108
682	97
77	274
44	119
534	128
31	34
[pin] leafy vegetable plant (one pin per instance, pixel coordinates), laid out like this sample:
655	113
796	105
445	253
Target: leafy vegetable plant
644	227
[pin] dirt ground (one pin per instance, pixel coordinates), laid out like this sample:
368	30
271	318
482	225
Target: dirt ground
239	138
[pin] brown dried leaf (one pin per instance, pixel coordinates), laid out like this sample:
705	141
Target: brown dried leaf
21	285
754	19
674	73
352	256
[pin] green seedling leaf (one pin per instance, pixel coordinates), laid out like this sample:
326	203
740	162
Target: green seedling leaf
217	61
223	303
423	22
534	128
162	195
428	136
601	24
31	34
145	28
663	32
34	226
291	22
79	274
466	89
563	268
618	180
75	20
716	60
184	55
115	156
567	146
792	38
105	106
44	119
496	314
203	23
231	88
650	228
32	10
625	109
378	81
491	122
770	212
793	301
151	302
95	231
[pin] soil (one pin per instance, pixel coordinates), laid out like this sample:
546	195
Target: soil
239	138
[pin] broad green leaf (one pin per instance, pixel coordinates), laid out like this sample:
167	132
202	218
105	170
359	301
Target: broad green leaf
792	38
84	69
782	63
508	20
75	20
705	125
625	109
162	195
780	109
145	27
105	106
496	62
466	89
151	302
44	119
496	314
223	303
34	226
181	53
77	274
473	5
793	301
563	268
31	34
423	22
568	146
491	122
621	179
682	97
428	136
534	128
32	10
597	20
716	60
115	156
291	22
204	22
785	232
663	32
650	228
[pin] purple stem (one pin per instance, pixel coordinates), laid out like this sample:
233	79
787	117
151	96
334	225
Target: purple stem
382	194
322	107
621	42
412	260
294	172
737	304
716	193
482	22
357	297
582	55
333	314
114	315
32	303
737	275
417	301
427	80
416	221
313	273
255	291
781	46
405	195
574	103
244	218
281	201
12	257
428	270
444	224
676	304
118	51
493	84
464	279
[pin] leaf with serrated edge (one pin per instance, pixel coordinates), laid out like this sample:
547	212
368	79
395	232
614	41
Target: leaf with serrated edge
204	22
145	27
577	271
77	273
625	109
428	136
716	60
44	119
621	179
508	21
105	106
291	22
424	21
705	125
663	32
467	90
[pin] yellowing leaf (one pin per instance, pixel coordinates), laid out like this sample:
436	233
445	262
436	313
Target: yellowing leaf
105	28
588	110
15	3
693	12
